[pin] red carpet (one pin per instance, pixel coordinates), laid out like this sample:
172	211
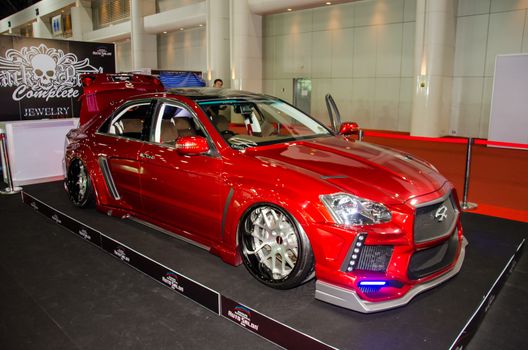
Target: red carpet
498	177
505	213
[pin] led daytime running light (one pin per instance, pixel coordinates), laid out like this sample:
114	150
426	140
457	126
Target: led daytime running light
373	283
358	244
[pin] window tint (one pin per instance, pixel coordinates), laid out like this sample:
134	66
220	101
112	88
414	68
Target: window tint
245	123
174	122
129	122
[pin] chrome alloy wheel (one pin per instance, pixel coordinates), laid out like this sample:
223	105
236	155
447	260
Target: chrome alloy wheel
78	184
273	241
81	182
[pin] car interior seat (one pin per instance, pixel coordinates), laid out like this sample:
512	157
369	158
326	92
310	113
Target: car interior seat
168	133
184	126
131	128
221	123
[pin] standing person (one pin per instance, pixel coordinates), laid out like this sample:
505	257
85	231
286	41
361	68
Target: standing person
218	83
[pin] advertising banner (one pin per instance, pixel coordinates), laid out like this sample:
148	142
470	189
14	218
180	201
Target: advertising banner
39	78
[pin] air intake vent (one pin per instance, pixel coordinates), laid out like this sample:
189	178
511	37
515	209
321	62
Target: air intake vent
375	258
428	261
370	289
367	257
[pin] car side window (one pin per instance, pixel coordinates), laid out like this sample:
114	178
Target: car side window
129	122
174	122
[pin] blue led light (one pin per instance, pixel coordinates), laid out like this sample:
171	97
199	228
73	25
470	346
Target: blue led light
372	283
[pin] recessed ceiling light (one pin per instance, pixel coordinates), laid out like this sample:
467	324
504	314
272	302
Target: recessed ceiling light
201	25
164	32
289	9
328	3
181	28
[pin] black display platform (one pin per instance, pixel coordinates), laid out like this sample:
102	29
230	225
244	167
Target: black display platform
444	317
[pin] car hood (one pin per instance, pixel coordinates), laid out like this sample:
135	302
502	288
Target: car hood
366	170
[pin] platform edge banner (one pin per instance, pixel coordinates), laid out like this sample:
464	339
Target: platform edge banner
83	231
474	322
171	279
267	327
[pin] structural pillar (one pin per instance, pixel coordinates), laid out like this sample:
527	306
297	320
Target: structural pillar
81	19
434	57
218	46
245	47
144	46
40	29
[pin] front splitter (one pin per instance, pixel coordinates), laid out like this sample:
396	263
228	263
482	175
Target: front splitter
349	299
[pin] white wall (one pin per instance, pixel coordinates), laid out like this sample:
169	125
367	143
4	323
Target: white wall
164	5
27	15
123	56
361	52
485	28
183	50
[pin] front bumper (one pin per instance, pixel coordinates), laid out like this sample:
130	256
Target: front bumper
349	299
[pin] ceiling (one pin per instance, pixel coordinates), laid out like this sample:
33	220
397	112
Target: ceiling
8	7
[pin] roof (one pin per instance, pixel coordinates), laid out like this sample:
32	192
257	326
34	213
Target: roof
209	93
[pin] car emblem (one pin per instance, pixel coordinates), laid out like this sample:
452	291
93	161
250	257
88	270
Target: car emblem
441	213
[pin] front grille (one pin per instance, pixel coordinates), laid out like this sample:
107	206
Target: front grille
435	220
431	260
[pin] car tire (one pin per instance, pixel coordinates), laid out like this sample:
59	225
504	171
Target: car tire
275	248
79	185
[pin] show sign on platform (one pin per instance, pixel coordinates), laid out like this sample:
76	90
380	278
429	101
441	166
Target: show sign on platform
40	78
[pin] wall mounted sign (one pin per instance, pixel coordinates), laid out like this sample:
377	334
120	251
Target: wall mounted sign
56	25
39	78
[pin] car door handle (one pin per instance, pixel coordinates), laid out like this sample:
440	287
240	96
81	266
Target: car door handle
146	156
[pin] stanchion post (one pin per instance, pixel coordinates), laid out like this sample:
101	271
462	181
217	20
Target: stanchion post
360	135
465	204
10	189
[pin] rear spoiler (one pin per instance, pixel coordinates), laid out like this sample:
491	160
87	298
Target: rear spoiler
104	89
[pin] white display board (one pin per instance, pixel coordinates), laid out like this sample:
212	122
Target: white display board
509	102
36	149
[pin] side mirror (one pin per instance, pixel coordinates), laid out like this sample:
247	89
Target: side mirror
192	145
349	128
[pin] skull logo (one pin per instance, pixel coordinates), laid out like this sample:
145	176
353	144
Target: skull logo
44	70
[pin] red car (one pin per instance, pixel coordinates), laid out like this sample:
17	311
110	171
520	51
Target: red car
256	181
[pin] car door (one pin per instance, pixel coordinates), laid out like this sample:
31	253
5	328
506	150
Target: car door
119	142
181	191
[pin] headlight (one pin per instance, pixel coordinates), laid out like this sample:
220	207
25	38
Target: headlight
347	209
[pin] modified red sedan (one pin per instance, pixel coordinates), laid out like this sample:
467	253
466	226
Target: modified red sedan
256	181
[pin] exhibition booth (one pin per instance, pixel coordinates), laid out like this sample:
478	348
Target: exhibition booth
39	91
446	317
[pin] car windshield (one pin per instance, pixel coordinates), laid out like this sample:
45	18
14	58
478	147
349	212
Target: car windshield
245	123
